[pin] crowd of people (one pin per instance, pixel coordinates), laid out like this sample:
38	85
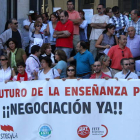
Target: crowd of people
56	46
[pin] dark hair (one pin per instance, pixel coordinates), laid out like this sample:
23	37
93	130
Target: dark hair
107	10
65	13
62	55
39	16
14	40
109	26
44	47
6	25
6	57
115	9
11	20
33	16
46	14
74	69
21	64
136	11
37	23
102	5
34	49
70	1
83	44
81	11
54	14
48	60
121	62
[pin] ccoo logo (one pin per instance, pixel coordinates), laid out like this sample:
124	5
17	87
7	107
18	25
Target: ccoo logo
83	131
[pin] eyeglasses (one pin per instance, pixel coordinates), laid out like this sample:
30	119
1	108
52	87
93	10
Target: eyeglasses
3	59
38	25
126	64
122	53
96	65
132	63
98	8
70	70
116	13
16	23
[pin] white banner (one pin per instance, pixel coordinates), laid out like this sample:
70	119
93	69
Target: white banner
70	110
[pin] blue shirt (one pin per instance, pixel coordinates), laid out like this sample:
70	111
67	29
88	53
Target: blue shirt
62	65
84	62
134	45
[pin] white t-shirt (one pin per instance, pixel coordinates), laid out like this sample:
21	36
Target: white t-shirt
95	33
5	74
53	73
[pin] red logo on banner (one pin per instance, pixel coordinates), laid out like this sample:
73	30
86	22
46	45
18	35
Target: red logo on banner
7	128
83	131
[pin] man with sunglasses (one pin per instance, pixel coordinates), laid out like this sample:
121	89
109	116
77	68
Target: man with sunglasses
125	73
119	20
13	32
117	52
98	23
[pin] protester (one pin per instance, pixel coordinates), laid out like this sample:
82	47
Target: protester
75	18
6	73
61	66
98	24
64	34
32	62
83	27
126	14
98	72
105	61
106	40
108	12
50	30
125	73
119	20
46	50
84	61
36	34
45	18
46	72
71	72
7	25
133	42
58	12
22	74
117	52
16	54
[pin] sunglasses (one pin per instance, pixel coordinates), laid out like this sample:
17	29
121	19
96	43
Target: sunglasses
116	13
127	64
16	23
3	59
97	65
70	70
38	25
122	53
98	8
132	63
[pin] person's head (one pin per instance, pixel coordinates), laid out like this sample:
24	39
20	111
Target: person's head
13	24
12	44
71	71
97	66
81	46
21	67
134	14
7	25
82	14
38	25
64	16
108	11
132	63
100	9
122	40
131	32
70	5
105	60
39	18
126	13
58	12
60	55
125	63
46	49
33	16
4	61
115	11
35	50
46	62
110	28
45	17
54	17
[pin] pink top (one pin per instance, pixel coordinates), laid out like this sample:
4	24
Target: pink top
74	15
93	76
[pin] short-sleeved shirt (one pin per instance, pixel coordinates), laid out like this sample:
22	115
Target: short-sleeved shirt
62	65
84	62
93	76
95	33
74	15
66	41
116	54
